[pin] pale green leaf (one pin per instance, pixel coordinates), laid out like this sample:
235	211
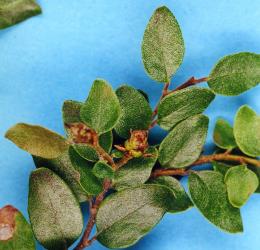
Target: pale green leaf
241	183
15	231
37	140
235	74
256	170
247	131
182	104
223	135
183	145
182	201
163	45
209	194
16	11
126	216
137	171
136	111
54	210
101	110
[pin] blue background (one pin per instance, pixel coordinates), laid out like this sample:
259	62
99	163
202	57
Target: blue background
57	55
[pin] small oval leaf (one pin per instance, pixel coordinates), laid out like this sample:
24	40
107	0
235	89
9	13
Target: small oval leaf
136	172
54	210
247	131
183	145
101	110
235	74
223	135
183	104
163	45
241	183
15	231
102	170
126	216
182	201
136	111
37	140
209	194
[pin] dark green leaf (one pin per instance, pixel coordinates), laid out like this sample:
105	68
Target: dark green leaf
221	167
182	201
15	232
241	183
145	95
209	194
163	45
235	74
136	111
37	140
247	131
54	210
87	152
101	110
182	104
183	145
223	135
106	141
16	11
137	171
102	170
126	216
89	182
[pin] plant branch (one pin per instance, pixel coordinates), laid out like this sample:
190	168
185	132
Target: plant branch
206	159
190	82
123	160
85	242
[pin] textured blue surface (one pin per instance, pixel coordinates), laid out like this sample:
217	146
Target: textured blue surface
57	55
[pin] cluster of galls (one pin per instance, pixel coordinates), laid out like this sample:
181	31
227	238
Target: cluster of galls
136	145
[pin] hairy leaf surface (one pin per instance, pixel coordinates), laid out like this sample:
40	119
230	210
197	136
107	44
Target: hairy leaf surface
163	45
182	104
54	210
209	194
183	145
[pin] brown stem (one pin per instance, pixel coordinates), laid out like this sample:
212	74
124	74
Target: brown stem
123	160
85	242
207	159
192	81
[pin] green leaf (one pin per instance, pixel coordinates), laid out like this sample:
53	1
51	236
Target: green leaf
87	152
183	145
101	110
235	74
221	167
183	104
89	182
223	135
76	129
102	170
75	171
15	231
256	170
209	194
241	183
37	140
71	111
247	131
163	45
16	11
136	111
182	201
137	171
126	216
145	95
54	210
